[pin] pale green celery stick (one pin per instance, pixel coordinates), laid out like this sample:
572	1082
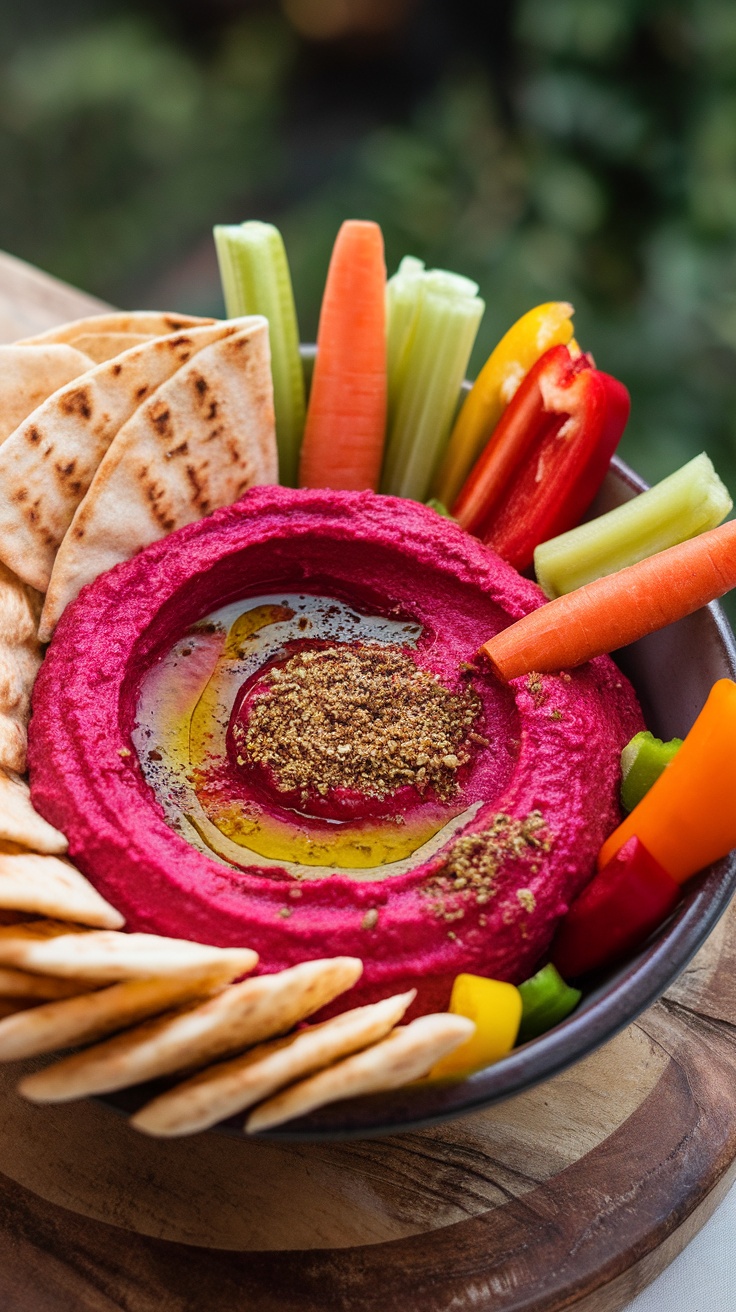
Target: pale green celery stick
256	280
686	503
403	294
435	363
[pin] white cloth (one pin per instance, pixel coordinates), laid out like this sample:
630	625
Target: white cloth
703	1277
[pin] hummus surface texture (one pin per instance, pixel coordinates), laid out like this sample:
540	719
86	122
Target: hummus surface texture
516	812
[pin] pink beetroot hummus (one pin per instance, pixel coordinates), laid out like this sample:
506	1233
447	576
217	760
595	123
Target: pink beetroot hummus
541	789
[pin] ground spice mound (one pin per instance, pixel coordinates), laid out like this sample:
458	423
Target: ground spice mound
364	718
471	865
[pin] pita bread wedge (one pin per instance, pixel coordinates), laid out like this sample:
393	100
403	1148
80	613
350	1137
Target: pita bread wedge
48	463
20	657
14	1006
151	323
201	440
233	1086
19	823
42	988
28	374
407	1054
104	956
91	1016
193	1036
105	346
50	887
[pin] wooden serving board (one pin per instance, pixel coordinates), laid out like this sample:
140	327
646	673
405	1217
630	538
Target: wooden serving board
573	1195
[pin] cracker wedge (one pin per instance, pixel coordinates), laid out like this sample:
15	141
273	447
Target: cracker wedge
407	1054
233	1086
105	346
198	443
150	323
19	823
20	658
48	463
50	887
28	374
14	1007
104	956
91	1016
194	1036
42	988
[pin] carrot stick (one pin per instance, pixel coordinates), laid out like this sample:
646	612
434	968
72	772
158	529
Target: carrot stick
346	418
615	610
688	817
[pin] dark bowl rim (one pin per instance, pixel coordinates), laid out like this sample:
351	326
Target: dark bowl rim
634	988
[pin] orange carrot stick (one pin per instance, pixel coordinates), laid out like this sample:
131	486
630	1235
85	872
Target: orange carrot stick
613	611
346	418
688	817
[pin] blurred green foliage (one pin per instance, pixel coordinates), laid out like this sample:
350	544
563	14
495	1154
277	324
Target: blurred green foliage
595	162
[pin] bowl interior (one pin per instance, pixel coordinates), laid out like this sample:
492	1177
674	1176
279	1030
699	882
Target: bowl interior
672	672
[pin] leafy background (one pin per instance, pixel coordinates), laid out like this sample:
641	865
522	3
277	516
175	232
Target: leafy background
574	149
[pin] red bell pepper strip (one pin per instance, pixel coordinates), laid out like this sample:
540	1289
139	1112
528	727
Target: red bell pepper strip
617	911
546	458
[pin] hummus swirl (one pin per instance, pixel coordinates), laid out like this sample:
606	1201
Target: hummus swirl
531	809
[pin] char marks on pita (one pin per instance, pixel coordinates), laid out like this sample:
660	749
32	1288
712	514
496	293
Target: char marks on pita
30	374
198	443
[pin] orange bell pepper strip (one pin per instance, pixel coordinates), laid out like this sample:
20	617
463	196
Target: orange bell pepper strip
520	348
496	1009
688	817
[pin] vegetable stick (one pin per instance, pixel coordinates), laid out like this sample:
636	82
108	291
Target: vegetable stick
404	292
688	817
688	502
346	417
618	609
256	280
534	333
431	373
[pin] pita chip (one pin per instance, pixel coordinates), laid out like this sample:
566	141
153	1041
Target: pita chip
50	887
232	1086
149	323
42	988
407	1054
240	1016
88	1017
20	657
29	374
105	956
198	443
19	823
48	463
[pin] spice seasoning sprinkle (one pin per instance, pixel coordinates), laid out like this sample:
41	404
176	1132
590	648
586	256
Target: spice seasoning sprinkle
469	871
365	718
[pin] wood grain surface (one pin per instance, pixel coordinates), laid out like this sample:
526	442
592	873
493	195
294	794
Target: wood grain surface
573	1195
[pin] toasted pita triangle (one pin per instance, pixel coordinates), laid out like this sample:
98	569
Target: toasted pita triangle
235	1085
203	438
91	1016
240	1016
105	346
29	374
20	657
47	886
105	957
407	1054
41	988
19	823
48	463
153	323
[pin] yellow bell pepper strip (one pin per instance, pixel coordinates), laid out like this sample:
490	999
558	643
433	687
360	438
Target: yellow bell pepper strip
615	913
546	1000
642	762
534	333
496	1009
547	458
688	817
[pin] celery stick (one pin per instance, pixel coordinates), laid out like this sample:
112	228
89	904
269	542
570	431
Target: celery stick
686	503
256	280
403	294
432	369
642	762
